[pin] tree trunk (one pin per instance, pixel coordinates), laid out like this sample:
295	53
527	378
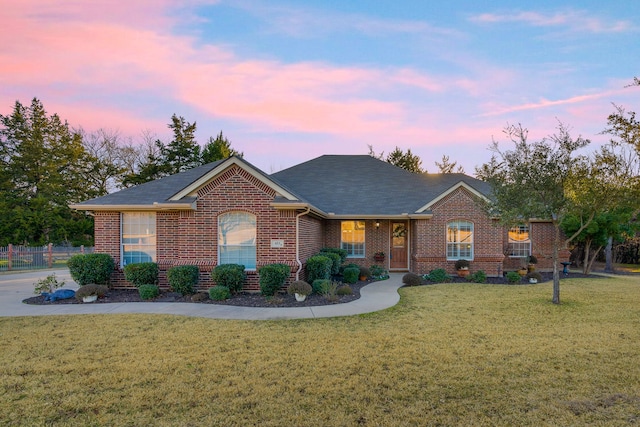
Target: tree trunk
592	260
608	253
587	251
556	272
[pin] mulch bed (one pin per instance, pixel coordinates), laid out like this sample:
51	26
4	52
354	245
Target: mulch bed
257	300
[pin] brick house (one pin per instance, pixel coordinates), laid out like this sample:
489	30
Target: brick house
231	212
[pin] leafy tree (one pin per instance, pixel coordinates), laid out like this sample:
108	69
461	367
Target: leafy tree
533	180
218	149
183	152
408	160
448	167
44	166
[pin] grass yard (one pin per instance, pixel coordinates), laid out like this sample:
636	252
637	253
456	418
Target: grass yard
451	354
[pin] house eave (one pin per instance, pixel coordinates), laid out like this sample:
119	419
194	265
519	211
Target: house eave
453	188
156	206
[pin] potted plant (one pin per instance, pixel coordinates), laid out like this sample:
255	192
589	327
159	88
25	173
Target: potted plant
531	267
462	267
378	256
300	289
91	292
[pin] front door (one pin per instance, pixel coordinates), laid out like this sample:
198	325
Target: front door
399	246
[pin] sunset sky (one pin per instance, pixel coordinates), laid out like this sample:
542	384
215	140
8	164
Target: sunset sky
287	81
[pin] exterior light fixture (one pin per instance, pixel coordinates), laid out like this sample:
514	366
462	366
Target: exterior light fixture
377	224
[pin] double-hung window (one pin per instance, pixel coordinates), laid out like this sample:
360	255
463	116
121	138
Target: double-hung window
460	240
519	241
138	238
352	238
237	239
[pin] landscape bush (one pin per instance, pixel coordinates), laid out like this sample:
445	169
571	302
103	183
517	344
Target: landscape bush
48	284
439	275
183	278
91	289
341	252
318	267
272	277
378	272
219	293
336	261
299	287
534	275
91	268
142	273
412	279
148	291
329	290
365	272
319	284
231	276
351	274
478	277
344	290
513	277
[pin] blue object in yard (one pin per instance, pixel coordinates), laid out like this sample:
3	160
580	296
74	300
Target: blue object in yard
565	270
59	294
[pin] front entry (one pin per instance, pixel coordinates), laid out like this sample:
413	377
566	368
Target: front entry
399	246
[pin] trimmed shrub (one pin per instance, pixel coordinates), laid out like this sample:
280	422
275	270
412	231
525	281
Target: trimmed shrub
336	260
344	290
351	274
478	277
365	272
513	277
411	279
148	291
341	252
299	287
199	297
219	293
318	267
91	289
142	273
91	268
377	271
231	276
439	275
183	278
272	277
319	284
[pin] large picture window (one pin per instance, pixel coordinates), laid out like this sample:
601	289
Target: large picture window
459	240
352	238
138	237
519	241
237	239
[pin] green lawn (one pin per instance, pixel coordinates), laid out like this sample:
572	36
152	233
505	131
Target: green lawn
448	354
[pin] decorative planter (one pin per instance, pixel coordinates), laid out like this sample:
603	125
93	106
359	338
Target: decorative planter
90	298
378	258
522	272
463	272
300	297
533	281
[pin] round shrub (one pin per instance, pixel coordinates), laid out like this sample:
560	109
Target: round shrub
351	274
91	268
318	267
319	285
183	278
411	279
219	293
142	273
377	271
478	277
336	260
231	276
513	277
91	289
272	278
148	291
344	290
365	272
299	287
439	275
342	253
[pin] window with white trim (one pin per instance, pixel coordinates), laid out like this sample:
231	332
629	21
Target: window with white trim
459	240
138	237
352	238
519	241
237	239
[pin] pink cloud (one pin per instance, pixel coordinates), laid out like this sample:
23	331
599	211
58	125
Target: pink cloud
575	20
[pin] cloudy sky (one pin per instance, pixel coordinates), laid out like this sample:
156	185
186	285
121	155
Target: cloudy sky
289	80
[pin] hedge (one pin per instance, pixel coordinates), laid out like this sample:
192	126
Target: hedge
88	269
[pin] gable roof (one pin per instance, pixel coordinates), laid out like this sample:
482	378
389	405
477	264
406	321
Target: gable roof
339	186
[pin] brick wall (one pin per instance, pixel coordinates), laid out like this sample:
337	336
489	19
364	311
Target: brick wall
376	239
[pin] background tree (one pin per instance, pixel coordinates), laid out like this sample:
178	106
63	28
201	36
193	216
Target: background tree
218	149
532	181
44	165
445	166
408	160
183	151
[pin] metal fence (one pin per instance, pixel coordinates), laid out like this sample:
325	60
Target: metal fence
14	257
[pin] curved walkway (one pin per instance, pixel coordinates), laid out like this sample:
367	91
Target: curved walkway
16	287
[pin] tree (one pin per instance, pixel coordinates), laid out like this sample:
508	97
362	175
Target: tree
407	160
533	181
447	167
44	169
218	149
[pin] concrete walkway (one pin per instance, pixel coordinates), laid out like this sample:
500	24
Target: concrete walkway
15	287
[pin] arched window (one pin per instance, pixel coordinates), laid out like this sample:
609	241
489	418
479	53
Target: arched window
459	240
237	239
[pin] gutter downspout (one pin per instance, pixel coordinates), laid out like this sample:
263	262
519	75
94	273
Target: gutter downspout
298	241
